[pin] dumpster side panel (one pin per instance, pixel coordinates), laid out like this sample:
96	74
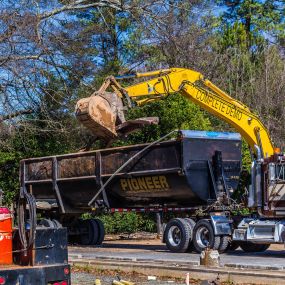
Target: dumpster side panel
197	153
172	173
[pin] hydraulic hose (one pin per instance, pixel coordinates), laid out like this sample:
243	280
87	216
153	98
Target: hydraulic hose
26	199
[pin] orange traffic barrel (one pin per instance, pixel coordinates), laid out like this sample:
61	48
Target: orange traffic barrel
5	236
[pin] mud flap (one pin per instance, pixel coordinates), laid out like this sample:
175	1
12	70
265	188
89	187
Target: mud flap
221	225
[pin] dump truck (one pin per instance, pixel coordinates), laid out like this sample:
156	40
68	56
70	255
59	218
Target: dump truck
177	174
202	172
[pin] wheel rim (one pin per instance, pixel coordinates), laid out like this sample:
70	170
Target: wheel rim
203	237
174	236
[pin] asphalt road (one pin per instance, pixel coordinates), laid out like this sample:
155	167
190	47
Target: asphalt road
155	251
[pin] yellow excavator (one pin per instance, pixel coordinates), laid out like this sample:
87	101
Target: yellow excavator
103	111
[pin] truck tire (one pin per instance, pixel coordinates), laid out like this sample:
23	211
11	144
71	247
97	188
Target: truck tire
87	228
177	235
233	245
192	224
101	231
224	244
95	231
253	247
204	236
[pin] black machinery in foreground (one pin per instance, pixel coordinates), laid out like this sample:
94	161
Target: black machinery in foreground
39	254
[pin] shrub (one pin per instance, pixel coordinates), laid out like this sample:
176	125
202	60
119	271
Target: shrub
128	222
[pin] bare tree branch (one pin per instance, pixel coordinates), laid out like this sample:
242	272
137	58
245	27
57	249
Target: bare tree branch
15	114
82	5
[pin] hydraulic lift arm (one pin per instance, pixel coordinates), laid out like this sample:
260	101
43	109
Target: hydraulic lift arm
190	84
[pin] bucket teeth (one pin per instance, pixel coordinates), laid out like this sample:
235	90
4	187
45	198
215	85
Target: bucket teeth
134	125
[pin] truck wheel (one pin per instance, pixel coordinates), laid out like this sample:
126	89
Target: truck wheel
253	247
95	231
233	245
177	235
101	231
204	236
86	230
192	224
224	244
264	247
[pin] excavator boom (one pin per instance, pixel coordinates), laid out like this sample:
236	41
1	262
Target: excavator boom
190	84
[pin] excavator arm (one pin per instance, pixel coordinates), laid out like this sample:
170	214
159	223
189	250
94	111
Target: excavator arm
194	87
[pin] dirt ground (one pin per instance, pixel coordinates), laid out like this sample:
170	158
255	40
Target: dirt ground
88	276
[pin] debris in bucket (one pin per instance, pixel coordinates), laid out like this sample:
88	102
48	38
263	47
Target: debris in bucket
151	278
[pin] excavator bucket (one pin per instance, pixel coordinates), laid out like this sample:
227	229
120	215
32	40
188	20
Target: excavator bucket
98	113
103	114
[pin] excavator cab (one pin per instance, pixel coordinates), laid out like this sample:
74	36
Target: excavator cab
103	112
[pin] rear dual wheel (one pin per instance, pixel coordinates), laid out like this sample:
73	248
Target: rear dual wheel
192	224
204	236
178	235
183	235
91	232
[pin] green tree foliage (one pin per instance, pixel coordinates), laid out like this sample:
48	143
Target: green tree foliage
128	222
251	22
9	173
22	144
175	113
